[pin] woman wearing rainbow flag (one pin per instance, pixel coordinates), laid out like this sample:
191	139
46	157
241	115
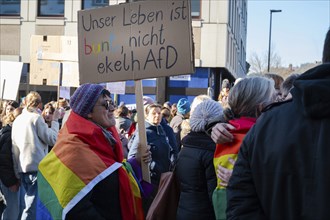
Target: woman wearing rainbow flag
83	177
245	102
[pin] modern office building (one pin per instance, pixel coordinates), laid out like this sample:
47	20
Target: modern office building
219	34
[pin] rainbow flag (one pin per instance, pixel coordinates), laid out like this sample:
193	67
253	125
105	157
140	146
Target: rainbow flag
222	153
80	159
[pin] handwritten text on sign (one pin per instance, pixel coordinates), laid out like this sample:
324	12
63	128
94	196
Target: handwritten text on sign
135	41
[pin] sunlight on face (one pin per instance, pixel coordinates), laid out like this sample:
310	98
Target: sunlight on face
48	115
9	108
103	112
154	116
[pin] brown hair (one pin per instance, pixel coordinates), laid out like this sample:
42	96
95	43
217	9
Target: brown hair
48	106
277	79
122	111
149	107
166	112
9	119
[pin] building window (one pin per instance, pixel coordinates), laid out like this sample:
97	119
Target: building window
195	8
54	8
86	4
10	7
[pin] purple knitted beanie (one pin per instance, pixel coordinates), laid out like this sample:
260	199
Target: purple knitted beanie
84	98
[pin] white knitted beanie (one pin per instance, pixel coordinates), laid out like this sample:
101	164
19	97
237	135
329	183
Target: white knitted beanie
206	111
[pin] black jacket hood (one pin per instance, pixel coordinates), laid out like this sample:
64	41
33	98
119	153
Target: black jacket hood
312	91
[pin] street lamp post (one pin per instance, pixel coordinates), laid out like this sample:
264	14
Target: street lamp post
270	36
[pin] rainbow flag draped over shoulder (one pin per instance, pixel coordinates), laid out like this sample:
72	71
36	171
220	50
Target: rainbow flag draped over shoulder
81	158
222	153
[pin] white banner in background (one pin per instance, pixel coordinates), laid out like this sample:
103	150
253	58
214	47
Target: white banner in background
10	75
65	92
116	87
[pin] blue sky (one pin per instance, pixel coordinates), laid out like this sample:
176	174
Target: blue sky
298	31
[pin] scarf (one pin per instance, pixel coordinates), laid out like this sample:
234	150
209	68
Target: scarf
81	158
221	155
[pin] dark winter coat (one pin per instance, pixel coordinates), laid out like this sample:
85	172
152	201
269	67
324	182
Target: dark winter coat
196	174
7	173
160	148
282	170
171	138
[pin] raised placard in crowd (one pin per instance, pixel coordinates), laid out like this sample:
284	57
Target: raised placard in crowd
135	41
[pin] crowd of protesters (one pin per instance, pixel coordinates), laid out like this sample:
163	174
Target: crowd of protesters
259	152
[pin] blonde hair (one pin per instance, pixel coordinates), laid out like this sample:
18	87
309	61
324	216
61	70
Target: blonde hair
33	99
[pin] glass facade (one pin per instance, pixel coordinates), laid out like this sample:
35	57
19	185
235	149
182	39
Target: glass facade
86	4
195	8
10	7
54	8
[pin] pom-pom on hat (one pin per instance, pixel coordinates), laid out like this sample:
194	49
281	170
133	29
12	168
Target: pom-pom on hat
205	112
183	106
84	98
147	100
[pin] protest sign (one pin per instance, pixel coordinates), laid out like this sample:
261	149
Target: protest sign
135	41
47	54
10	74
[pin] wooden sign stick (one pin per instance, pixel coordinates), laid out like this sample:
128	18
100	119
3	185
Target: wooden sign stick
142	129
59	83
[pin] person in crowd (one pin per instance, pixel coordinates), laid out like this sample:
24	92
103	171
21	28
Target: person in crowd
194	168
174	110
9	180
185	125
166	114
223	96
246	100
278	82
183	107
287	85
62	106
123	122
132	127
161	151
88	158
3	110
63	103
31	137
48	113
284	174
167	105
9	106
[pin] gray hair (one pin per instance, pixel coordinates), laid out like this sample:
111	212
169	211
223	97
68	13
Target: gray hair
246	97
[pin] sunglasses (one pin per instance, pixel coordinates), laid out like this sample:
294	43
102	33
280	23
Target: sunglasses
107	104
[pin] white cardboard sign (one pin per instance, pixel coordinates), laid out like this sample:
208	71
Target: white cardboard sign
10	75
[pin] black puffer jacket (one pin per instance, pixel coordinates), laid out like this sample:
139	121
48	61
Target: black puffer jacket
282	170
196	174
7	173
